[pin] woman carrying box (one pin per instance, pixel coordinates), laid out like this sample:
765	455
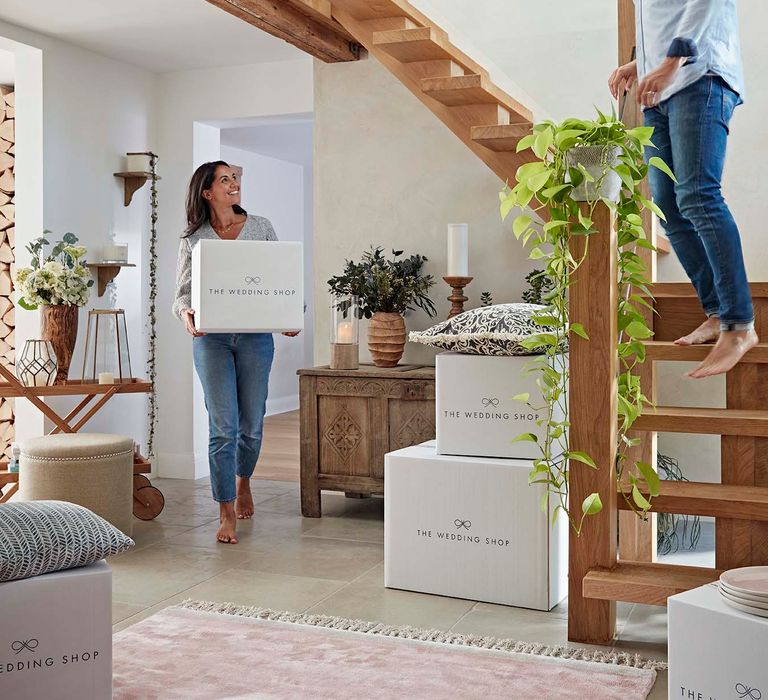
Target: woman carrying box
233	367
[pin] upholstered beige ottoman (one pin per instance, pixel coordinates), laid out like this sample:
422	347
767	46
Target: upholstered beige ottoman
91	469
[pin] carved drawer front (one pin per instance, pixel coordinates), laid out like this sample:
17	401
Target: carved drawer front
410	423
376	388
343	433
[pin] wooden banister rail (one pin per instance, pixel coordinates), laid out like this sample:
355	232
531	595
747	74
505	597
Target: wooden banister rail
593	410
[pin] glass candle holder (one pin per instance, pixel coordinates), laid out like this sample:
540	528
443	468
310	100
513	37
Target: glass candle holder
345	332
107	359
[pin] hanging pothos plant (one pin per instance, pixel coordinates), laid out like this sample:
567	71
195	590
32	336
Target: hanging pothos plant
547	186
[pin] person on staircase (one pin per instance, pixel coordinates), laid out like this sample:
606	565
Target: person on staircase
690	81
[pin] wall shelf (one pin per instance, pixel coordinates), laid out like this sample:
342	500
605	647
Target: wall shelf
106	272
133	181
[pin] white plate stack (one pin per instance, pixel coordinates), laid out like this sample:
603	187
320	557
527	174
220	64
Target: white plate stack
746	589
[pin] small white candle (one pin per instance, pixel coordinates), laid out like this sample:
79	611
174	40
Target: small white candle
116	252
458	250
345	333
106	378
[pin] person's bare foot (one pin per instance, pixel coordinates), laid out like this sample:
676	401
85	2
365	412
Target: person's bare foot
707	332
228	524
729	349
244	502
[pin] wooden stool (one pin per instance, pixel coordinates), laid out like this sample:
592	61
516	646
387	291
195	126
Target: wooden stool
90	469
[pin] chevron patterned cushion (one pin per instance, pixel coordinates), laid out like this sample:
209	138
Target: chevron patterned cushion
38	537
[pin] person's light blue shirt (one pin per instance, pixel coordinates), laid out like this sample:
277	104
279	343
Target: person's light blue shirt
706	31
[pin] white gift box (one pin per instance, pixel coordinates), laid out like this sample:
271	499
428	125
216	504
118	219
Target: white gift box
475	413
471	528
56	635
715	651
248	286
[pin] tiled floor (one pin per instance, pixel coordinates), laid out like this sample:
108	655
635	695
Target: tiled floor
333	565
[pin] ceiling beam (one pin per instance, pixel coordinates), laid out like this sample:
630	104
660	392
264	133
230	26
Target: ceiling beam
299	22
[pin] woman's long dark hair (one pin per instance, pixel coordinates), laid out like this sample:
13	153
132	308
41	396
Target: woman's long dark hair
198	211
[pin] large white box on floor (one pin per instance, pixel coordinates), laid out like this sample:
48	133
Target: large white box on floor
56	635
715	651
474	411
472	528
248	286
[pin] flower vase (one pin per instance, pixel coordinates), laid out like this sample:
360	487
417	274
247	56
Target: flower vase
58	324
386	338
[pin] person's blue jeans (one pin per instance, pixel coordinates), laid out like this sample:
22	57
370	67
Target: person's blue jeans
690	135
234	371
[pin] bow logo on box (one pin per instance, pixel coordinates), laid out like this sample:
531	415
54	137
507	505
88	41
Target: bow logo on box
745	691
29	645
488	403
462	524
252	280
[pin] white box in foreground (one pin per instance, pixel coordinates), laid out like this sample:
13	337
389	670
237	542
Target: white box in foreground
471	528
248	286
715	651
56	635
475	413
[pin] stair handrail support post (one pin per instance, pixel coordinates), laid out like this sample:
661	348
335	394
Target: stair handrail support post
593	302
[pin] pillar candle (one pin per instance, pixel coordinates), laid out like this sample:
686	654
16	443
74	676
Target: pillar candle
458	250
345	333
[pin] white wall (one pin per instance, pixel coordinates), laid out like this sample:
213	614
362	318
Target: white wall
95	109
275	189
187	97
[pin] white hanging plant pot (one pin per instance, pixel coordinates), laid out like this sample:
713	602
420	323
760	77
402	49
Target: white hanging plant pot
599	162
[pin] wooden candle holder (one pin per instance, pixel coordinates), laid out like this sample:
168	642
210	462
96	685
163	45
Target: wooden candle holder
457	298
345	356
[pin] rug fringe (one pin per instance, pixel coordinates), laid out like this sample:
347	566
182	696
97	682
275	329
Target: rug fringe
561	651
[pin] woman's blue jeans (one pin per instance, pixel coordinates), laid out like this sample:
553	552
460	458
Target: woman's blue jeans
234	371
690	135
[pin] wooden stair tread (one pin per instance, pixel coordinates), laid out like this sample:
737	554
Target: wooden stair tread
639	582
410	45
704	421
662	290
666	350
473	89
500	137
715	500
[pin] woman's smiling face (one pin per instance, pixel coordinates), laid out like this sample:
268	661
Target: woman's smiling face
225	189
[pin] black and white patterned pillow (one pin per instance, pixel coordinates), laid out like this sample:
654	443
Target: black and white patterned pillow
489	330
38	537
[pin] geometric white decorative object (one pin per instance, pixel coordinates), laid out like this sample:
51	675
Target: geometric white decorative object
56	635
248	286
475	413
715	651
471	528
37	365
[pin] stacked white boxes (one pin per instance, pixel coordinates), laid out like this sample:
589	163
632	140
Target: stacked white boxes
460	517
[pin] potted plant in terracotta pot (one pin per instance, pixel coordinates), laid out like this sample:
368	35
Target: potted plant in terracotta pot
58	285
387	289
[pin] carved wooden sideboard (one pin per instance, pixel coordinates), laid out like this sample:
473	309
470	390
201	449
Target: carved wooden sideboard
351	418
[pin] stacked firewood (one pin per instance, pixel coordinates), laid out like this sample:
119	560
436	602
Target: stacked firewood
7	256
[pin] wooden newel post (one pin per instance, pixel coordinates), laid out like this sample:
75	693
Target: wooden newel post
594	423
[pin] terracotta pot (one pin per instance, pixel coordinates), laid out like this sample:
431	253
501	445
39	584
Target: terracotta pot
386	338
58	324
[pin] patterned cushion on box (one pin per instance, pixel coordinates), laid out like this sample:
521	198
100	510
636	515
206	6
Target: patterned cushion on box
489	330
38	537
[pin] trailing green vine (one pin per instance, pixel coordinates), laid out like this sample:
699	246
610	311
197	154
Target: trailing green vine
152	315
547	185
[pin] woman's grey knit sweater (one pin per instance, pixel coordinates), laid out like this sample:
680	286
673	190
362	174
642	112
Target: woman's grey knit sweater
255	228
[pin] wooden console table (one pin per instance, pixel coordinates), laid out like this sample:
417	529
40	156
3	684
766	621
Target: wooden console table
351	418
148	501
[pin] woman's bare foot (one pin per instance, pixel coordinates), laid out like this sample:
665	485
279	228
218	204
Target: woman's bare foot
729	349
228	519
707	332
244	502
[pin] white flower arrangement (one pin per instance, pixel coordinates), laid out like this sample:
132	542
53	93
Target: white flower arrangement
61	278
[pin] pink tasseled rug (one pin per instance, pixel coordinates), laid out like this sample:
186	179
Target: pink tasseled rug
189	653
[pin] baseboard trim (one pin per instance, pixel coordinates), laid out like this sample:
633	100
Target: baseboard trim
282	404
